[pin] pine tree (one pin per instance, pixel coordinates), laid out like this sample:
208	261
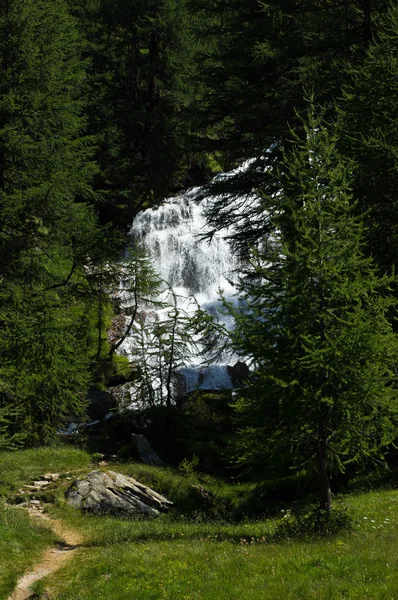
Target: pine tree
159	333
48	232
136	92
256	57
368	135
314	325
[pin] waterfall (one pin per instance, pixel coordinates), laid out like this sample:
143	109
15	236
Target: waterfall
192	266
172	235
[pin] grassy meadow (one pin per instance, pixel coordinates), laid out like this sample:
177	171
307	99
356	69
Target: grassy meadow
21	545
199	554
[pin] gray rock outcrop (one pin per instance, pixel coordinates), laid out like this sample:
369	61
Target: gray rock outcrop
111	492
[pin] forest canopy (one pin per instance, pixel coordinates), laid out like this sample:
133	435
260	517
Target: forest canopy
107	107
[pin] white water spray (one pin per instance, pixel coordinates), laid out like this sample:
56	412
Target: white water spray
173	236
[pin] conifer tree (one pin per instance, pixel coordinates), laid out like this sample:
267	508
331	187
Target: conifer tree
314	325
47	231
368	135
255	57
136	92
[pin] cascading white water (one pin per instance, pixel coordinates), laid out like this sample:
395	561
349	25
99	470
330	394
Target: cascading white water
172	235
192	266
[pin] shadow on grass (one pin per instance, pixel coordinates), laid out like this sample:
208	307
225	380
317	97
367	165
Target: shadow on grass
378	479
305	523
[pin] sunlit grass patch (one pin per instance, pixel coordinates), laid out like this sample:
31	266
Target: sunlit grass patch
206	569
21	466
21	544
172	558
195	554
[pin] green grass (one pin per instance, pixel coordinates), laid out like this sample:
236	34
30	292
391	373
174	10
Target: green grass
20	467
22	541
196	562
185	555
21	544
182	488
172	558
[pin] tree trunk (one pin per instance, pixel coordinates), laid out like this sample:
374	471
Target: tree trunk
325	493
114	347
99	342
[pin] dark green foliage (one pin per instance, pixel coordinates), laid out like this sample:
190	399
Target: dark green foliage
46	237
369	133
315	328
313	521
200	426
253	62
255	58
7	441
207	429
136	92
161	425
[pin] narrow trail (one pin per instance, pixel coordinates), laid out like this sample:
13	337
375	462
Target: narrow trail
52	560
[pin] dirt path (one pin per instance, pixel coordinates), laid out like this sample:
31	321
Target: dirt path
52	560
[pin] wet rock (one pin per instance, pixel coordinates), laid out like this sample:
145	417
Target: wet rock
114	493
239	373
121	395
145	452
99	405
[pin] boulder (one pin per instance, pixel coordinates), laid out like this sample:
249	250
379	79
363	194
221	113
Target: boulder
99	404
111	492
144	451
238	373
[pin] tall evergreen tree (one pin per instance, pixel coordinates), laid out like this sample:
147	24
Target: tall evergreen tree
46	236
256	57
369	134
315	328
138	54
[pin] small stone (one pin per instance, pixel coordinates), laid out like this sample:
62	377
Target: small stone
35	502
50	476
35	488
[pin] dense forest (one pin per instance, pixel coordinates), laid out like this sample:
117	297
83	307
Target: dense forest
109	106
